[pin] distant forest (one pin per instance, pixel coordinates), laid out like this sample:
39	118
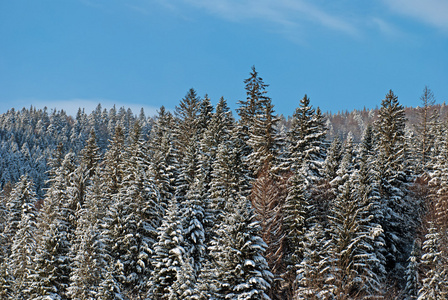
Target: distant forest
205	203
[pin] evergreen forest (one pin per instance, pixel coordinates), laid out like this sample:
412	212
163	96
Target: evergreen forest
204	203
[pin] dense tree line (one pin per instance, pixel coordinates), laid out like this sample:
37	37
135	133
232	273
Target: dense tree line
195	204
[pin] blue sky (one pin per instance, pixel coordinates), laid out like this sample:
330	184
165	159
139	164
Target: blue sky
146	53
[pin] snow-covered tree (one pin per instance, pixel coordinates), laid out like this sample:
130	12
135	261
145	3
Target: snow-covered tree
241	270
354	234
88	250
332	160
132	219
168	254
265	142
254	105
267	200
21	259
193	223
412	273
55	234
297	212
314	280
187	122
398	210
109	288
305	138
424	140
162	156
184	288
434	262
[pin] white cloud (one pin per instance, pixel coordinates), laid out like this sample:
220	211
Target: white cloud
287	13
71	106
386	27
432	12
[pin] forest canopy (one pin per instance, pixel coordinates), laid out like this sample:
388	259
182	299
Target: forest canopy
199	203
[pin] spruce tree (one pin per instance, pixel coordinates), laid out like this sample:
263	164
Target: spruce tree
109	288
412	273
254	105
55	235
218	131
399	213
265	142
184	288
168	254
193	222
332	159
113	164
132	219
267	201
438	204
162	156
424	129
205	115
89	257
297	211
305	138
434	261
354	234
188	115
241	270
21	259
314	280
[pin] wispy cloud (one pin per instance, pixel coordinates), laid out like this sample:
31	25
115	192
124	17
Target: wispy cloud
386	28
432	12
290	14
71	106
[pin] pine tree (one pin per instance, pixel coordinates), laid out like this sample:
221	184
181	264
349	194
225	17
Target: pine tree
55	235
297	212
89	257
194	220
255	102
332	159
21	259
354	234
267	201
132	219
265	142
399	213
113	163
168	254
184	288
305	138
162	156
434	260
412	273
188	115
241	270
314	280
424	132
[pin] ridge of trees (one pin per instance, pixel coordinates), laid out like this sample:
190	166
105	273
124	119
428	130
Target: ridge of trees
197	205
